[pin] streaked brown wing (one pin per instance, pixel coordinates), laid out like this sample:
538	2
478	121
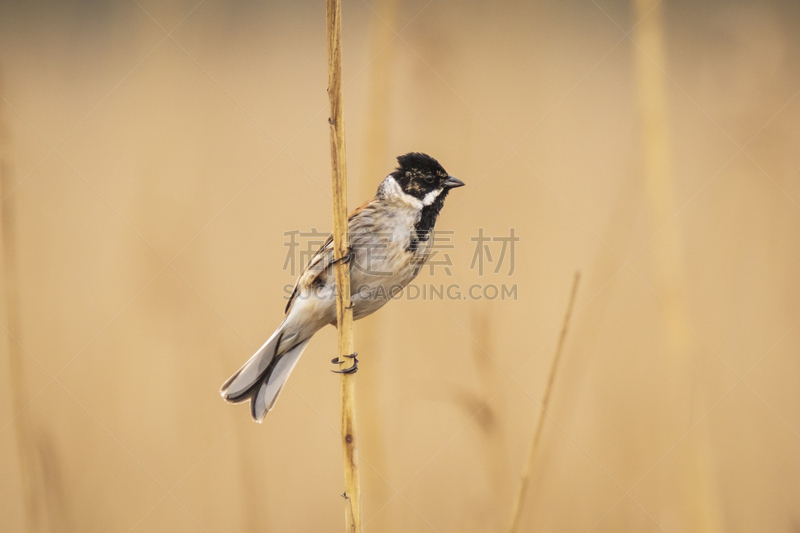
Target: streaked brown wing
320	263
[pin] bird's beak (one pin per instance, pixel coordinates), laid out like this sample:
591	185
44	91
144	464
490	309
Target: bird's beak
452	182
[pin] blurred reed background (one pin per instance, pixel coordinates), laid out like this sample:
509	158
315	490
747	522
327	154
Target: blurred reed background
153	153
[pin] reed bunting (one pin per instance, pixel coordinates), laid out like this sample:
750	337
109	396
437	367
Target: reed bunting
390	240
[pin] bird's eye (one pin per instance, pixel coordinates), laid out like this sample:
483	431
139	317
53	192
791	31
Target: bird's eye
428	179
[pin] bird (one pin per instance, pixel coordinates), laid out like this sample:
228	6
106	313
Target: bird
390	238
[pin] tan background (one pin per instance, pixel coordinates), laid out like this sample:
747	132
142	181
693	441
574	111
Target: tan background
153	154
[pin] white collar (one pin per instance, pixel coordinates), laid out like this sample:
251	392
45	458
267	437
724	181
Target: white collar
390	189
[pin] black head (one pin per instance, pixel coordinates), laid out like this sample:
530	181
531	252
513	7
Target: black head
420	174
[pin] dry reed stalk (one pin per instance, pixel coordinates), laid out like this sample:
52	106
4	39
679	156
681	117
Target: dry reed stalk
16	372
379	96
516	511
344	312
657	160
376	154
667	250
43	494
492	435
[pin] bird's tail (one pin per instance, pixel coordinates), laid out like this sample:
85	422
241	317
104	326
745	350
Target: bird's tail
262	377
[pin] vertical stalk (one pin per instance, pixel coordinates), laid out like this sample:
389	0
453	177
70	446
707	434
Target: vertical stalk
16	372
526	468
344	313
376	154
696	482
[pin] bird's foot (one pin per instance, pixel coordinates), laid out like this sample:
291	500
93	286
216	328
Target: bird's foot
349	370
346	258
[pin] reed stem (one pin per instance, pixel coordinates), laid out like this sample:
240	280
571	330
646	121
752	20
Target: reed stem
526	468
697	485
344	313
